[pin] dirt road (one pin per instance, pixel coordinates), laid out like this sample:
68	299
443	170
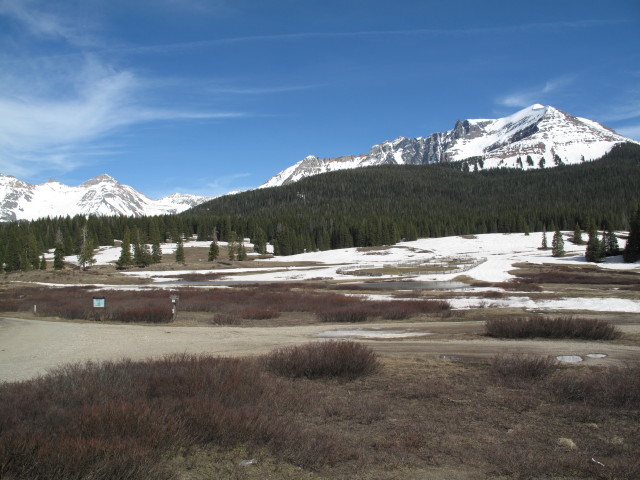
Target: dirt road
32	347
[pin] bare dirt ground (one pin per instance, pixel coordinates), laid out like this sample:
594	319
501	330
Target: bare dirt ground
32	347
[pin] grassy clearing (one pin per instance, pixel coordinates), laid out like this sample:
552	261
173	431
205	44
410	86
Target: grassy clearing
194	417
545	327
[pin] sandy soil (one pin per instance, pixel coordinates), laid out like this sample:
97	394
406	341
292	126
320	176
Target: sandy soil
32	347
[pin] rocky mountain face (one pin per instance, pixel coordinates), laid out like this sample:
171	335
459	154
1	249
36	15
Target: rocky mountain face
101	195
535	137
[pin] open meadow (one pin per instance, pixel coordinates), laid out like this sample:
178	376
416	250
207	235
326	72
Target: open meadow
456	358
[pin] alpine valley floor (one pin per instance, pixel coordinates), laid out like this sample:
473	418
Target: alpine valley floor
436	409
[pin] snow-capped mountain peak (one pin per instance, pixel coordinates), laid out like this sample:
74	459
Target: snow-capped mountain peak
101	195
535	137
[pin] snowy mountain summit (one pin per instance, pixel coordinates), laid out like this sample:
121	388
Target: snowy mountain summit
536	137
101	195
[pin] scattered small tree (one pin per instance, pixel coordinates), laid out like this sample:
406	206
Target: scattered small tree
544	245
85	257
125	250
577	236
43	263
179	250
595	248
58	257
611	244
214	251
557	244
259	241
232	246
242	251
632	248
141	253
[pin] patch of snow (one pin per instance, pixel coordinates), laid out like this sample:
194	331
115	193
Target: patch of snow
362	333
569	358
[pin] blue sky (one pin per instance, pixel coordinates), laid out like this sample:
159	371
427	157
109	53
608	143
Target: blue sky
209	96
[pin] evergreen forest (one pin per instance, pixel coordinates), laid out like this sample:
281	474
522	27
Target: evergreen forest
366	207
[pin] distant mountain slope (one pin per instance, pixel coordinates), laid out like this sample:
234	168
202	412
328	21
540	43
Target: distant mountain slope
520	140
442	199
101	195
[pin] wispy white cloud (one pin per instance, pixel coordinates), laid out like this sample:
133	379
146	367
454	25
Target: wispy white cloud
440	32
259	90
538	94
66	130
44	24
58	114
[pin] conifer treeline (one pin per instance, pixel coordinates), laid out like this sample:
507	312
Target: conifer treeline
368	206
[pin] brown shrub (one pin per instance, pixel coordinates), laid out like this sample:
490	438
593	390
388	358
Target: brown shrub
545	327
354	314
522	367
260	314
614	387
343	359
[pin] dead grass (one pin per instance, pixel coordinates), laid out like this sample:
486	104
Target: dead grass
197	417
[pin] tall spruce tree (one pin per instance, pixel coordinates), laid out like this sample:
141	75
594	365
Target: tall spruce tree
85	257
259	241
154	236
557	244
577	235
232	246
632	249
242	251
544	245
179	250
125	249
58	257
141	254
595	248
214	251
611	246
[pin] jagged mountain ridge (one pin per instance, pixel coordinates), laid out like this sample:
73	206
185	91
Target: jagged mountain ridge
537	132
101	195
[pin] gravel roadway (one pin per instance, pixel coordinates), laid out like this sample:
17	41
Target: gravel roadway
29	348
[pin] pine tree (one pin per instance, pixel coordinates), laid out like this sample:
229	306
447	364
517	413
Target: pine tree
242	251
577	236
43	263
58	257
231	246
141	254
259	241
13	256
632	249
595	248
544	240
156	252
611	246
179	250
557	244
85	257
214	251
154	236
125	249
